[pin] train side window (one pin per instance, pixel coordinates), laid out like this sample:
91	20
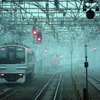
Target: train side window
29	57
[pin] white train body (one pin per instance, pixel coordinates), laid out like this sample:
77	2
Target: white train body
16	63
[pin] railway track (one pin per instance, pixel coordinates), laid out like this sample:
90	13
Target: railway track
47	87
95	82
7	91
50	90
93	85
23	91
96	79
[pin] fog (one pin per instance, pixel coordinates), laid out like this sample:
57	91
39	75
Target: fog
64	44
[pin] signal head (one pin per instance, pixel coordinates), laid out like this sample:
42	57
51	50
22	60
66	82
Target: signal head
39	36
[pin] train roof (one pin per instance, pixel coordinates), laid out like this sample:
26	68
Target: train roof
17	44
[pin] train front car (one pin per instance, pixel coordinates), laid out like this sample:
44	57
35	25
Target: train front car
16	63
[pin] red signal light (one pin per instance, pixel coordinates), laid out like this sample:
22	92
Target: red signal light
94	48
39	39
34	32
45	50
85	45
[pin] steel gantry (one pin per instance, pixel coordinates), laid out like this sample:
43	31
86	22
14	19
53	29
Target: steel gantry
51	16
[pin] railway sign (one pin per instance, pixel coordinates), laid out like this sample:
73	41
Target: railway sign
55	61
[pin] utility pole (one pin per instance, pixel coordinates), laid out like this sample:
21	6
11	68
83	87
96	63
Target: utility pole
86	66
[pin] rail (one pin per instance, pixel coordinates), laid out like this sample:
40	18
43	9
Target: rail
53	81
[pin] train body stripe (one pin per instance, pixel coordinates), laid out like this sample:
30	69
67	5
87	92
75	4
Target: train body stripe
21	65
3	68
21	68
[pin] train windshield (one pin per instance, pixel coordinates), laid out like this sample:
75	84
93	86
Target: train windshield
12	55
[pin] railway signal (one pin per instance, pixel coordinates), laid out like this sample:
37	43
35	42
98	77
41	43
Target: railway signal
39	36
86	66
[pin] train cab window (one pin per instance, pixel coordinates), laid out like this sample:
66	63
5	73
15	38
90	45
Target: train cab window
12	55
20	55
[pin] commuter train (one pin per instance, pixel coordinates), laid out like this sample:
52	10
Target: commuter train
16	63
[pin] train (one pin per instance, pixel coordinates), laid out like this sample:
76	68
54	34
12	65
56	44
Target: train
17	63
